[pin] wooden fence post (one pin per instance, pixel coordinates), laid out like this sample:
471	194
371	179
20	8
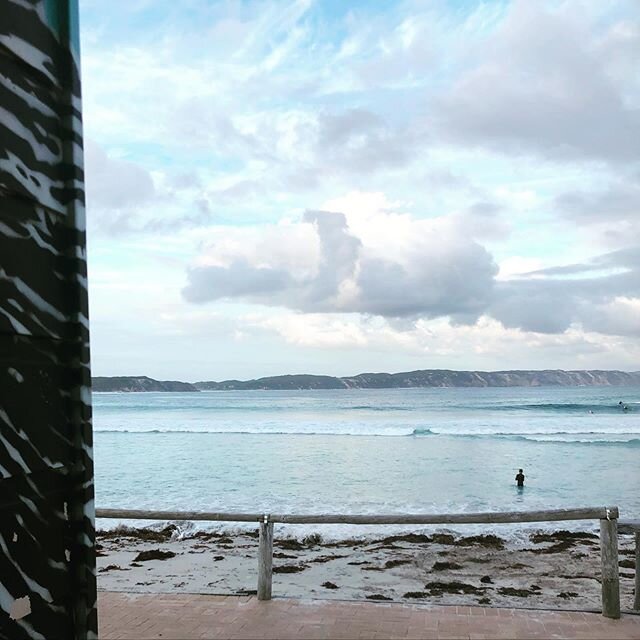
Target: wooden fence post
265	559
610	575
636	601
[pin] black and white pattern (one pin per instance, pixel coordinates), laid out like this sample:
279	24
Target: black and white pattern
47	561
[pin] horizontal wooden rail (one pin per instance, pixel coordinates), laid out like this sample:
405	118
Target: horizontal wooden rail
495	517
608	517
208	516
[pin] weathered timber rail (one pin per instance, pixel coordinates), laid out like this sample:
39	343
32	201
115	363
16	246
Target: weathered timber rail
608	517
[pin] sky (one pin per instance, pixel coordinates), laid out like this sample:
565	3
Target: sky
337	187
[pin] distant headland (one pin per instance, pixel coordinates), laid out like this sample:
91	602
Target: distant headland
412	379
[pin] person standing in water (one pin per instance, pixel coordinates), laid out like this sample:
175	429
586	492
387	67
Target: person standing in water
520	478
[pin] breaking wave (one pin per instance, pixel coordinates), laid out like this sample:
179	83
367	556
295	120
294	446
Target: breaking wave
609	437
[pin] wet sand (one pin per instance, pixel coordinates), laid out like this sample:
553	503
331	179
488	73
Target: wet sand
558	570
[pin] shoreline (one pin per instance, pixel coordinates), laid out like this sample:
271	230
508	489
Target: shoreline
556	569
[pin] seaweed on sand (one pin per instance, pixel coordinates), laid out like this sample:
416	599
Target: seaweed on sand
323	559
148	535
557	536
290	568
438	588
390	564
413	538
153	554
289	544
518	593
446	566
485	540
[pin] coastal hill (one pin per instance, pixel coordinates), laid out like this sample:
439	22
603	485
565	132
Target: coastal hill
434	378
138	383
412	379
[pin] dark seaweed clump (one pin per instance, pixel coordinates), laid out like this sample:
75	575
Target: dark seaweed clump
289	544
518	593
438	588
290	568
557	536
112	567
154	554
322	559
489	540
147	535
413	538
446	566
390	564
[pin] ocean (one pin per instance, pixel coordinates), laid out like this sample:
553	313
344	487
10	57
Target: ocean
369	450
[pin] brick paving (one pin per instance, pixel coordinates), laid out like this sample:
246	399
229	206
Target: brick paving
128	616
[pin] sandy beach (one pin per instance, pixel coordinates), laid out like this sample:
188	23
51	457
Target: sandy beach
557	569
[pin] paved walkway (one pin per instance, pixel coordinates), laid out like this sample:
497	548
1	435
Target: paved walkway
186	616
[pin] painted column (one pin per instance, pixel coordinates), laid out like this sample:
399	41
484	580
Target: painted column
47	559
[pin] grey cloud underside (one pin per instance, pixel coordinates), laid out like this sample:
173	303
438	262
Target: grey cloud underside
551	304
114	183
542	87
617	206
628	258
360	141
453	277
121	196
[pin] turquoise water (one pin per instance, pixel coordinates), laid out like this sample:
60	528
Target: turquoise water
369	451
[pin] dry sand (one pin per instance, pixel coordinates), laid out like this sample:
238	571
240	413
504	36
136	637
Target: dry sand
549	570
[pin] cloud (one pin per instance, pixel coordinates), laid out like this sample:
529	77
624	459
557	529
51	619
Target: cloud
124	197
113	183
619	201
611	214
360	141
540	86
487	344
237	280
430	271
374	262
625	259
587	294
494	129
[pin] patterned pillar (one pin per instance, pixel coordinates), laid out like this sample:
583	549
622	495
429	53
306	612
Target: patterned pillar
47	560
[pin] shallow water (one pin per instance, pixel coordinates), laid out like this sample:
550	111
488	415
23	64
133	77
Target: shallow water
369	451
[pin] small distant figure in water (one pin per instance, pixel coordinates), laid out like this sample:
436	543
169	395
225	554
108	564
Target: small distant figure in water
623	406
520	478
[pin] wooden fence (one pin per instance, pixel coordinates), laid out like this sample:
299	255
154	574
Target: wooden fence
633	527
608	517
